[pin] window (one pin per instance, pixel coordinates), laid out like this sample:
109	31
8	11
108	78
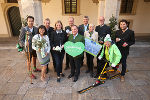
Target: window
12	1
128	6
70	7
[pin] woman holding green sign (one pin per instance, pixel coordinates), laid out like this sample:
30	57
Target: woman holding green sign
92	35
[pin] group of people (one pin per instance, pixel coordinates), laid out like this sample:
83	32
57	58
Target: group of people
40	42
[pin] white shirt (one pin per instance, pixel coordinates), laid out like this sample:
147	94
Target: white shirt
75	36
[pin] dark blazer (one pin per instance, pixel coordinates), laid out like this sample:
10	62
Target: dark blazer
50	30
128	37
68	27
79	38
102	31
58	39
22	36
81	29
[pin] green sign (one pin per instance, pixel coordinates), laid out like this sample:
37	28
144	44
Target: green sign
74	49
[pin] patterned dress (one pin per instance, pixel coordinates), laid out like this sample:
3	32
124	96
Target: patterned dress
42	43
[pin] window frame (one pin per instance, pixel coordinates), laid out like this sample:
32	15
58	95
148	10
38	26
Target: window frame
71	14
134	8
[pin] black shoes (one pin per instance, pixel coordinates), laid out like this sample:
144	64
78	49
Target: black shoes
62	75
70	76
58	79
91	75
75	78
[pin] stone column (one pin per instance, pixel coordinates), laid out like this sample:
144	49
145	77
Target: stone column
107	8
33	8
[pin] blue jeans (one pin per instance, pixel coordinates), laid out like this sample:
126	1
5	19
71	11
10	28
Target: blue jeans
58	56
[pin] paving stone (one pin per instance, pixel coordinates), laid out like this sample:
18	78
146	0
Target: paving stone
47	96
15	83
10	88
12	97
18	77
61	96
34	94
1	97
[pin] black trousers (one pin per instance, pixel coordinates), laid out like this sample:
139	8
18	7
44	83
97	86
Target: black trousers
67	60
54	62
75	65
100	65
82	60
124	64
59	61
89	60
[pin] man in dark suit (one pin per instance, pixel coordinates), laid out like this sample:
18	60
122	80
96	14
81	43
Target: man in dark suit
102	30
29	31
124	39
85	26
75	62
68	31
49	30
82	28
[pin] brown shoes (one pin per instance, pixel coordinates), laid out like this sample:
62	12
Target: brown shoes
122	79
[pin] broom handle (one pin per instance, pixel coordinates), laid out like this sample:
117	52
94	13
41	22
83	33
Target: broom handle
29	56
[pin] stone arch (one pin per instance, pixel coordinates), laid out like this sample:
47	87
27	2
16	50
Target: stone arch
14	20
5	8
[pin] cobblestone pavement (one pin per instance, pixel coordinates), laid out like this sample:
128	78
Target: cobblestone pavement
15	83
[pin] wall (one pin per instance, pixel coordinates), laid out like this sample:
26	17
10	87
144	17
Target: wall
53	10
141	21
3	26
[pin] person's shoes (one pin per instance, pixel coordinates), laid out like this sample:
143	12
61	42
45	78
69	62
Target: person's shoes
70	76
87	71
32	76
91	75
37	70
62	75
58	79
122	79
67	67
75	79
96	76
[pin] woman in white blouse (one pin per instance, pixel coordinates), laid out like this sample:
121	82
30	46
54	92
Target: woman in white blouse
40	43
93	35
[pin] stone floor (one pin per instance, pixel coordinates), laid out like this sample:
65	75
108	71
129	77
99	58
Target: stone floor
15	83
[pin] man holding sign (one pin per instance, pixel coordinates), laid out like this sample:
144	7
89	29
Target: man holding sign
77	42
